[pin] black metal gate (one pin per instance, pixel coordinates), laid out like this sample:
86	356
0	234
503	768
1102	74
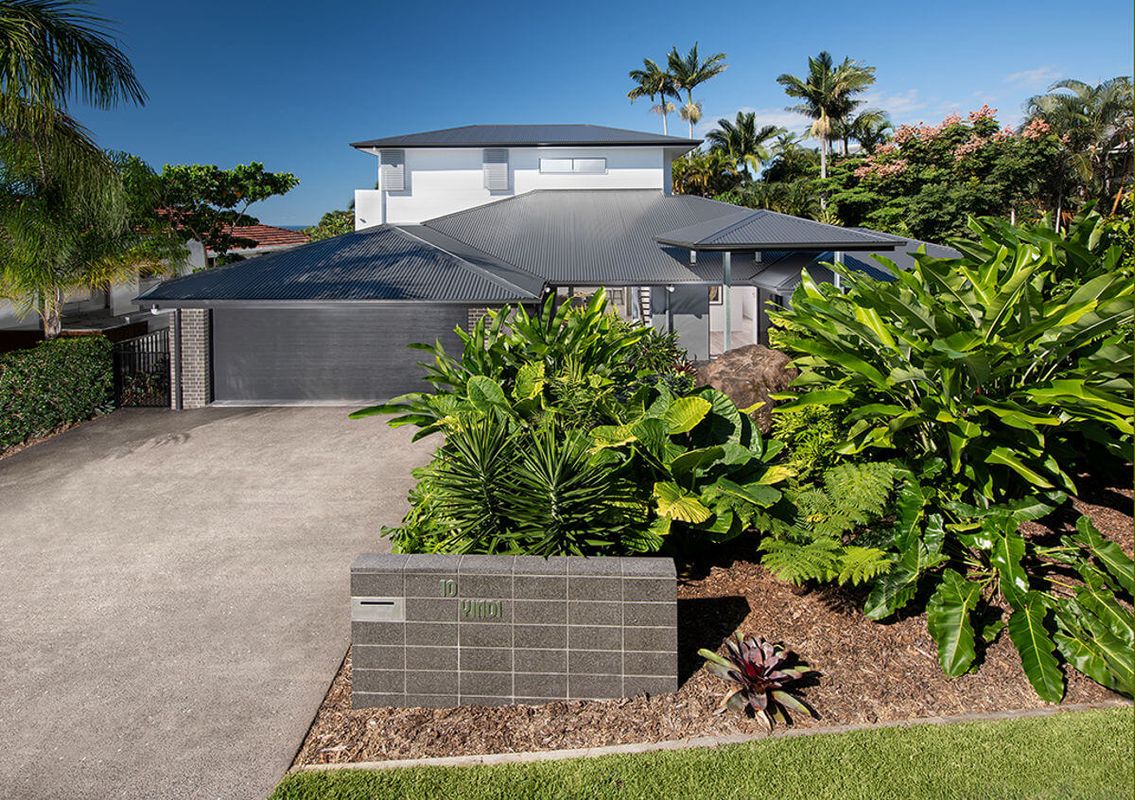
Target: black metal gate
141	370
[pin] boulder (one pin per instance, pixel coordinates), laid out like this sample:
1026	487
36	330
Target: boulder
749	375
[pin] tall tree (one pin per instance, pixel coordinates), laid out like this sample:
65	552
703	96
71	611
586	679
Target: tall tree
652	81
1096	122
64	212
868	128
743	141
689	72
205	202
828	96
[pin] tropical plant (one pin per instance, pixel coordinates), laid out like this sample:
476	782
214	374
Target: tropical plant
869	128
743	141
811	435
564	433
929	179
819	531
827	95
1008	362
689	72
706	174
652	81
766	676
65	219
1096	122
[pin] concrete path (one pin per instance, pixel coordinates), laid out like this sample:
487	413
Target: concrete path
174	594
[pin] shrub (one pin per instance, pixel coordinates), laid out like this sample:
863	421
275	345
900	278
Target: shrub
811	435
55	383
566	432
1005	363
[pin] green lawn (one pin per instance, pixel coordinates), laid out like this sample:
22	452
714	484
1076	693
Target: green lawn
1073	755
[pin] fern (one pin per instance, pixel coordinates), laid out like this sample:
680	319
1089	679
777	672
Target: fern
798	562
861	564
819	544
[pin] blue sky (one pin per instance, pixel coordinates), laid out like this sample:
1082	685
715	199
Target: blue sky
291	83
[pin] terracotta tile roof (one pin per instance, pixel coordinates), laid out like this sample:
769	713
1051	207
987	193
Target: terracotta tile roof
269	235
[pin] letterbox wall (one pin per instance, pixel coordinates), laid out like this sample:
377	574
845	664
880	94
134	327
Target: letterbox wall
439	630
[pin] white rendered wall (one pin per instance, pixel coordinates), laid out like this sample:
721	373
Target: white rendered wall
443	181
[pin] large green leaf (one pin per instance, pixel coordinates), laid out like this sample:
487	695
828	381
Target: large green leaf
1031	638
685	413
485	393
1110	554
675	502
948	618
1006	554
895	589
529	381
686	467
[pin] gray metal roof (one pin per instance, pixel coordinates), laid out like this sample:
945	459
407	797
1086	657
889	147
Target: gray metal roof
588	237
762	229
529	136
381	263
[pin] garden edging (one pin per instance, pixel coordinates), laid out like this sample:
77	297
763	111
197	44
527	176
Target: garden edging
701	741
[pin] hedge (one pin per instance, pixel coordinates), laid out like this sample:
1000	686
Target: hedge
57	382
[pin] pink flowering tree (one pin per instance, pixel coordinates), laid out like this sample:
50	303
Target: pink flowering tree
929	179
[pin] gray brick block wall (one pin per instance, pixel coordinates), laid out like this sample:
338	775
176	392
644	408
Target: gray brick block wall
437	631
190	366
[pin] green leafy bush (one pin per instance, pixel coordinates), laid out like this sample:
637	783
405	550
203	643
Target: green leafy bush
819	532
1007	363
57	382
811	435
574	432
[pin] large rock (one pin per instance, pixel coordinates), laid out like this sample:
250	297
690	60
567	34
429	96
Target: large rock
749	375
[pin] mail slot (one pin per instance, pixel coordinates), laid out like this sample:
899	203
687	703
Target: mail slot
378	609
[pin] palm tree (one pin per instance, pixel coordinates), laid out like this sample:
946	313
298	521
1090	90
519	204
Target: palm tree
689	72
63	205
869	128
652	81
1096	122
743	141
828	96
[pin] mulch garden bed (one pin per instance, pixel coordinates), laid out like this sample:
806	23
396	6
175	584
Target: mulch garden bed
872	673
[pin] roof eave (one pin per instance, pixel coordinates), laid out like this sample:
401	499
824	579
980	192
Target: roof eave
689	144
843	247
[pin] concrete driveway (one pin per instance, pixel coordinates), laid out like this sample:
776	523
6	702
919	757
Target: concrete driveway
174	594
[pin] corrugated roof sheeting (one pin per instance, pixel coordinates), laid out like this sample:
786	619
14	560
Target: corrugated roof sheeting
383	263
527	136
600	236
763	229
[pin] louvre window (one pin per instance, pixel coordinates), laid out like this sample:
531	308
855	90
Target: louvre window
495	164
392	172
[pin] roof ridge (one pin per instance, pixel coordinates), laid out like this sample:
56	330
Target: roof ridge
497	279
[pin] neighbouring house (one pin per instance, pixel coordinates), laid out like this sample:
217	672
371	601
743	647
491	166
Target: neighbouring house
264	239
467	219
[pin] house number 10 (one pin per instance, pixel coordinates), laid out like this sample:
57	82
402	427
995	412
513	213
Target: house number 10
448	588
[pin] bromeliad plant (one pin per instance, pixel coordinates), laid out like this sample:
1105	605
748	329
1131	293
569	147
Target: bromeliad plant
1008	363
571	432
766	677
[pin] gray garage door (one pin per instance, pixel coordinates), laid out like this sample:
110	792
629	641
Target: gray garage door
326	353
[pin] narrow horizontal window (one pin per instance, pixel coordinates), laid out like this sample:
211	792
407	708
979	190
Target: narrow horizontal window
555	165
579	166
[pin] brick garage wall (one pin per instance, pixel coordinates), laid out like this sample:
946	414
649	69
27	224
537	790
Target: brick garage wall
434	630
192	361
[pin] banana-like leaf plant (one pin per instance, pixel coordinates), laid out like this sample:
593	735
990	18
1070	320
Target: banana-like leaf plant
1006	362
